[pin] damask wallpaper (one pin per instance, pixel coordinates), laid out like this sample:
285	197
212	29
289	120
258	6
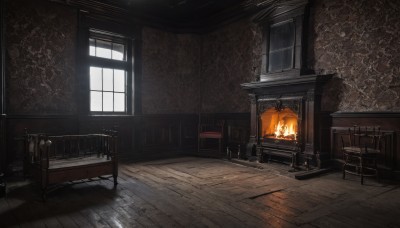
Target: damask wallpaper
171	72
231	56
359	42
40	57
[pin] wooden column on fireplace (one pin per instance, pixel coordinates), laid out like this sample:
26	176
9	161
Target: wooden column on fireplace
301	95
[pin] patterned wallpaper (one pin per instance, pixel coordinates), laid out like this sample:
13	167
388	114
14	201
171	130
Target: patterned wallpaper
40	57
231	56
178	68
171	72
359	41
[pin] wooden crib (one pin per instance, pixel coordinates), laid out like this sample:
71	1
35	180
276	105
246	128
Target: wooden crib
57	159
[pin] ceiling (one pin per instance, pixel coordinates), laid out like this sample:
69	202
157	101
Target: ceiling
177	15
183	13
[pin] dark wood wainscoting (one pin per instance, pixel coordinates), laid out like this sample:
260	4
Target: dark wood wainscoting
389	122
125	125
147	136
139	137
176	134
2	142
163	135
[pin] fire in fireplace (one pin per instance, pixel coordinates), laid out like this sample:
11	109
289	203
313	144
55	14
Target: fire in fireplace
279	124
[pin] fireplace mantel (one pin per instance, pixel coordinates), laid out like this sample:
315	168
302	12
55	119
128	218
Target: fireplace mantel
300	83
299	93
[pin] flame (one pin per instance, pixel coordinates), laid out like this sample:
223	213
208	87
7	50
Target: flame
279	125
284	130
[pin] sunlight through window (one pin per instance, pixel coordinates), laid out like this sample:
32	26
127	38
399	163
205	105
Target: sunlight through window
108	91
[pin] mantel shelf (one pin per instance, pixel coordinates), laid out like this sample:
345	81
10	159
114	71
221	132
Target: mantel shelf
299	80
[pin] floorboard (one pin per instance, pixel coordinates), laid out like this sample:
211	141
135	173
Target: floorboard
205	192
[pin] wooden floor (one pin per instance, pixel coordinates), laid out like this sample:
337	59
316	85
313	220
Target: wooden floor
201	192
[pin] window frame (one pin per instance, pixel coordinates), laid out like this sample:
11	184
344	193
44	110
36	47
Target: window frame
127	29
94	61
297	16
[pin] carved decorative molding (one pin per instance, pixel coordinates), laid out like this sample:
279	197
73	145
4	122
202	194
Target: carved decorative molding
273	8
279	104
252	98
311	95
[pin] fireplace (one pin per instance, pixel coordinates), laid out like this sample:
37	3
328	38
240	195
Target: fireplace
285	117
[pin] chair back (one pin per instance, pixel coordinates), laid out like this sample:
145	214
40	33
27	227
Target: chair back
373	142
367	138
208	123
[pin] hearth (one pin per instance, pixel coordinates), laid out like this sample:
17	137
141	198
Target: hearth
285	119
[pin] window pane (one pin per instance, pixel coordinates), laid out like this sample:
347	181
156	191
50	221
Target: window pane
287	59
95	78
118	51
119	80
92	46
103	49
282	36
119	102
280	60
107	79
275	60
95	101
107	101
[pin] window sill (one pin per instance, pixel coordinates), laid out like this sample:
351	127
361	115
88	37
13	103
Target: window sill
109	115
280	75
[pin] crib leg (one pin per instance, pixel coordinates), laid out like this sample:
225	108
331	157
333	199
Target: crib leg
44	185
115	180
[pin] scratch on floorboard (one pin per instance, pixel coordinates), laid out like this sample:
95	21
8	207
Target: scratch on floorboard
264	194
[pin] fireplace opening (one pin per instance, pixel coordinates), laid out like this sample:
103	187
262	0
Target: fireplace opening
279	124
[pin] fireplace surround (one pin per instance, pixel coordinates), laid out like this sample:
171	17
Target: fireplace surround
285	119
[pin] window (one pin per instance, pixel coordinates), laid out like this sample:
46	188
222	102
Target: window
281	46
283	50
108	72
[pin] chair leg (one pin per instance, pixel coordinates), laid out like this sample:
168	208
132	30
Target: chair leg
376	170
362	171
220	145
344	171
198	145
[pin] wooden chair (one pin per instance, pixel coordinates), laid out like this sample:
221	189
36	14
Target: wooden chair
361	147
210	128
